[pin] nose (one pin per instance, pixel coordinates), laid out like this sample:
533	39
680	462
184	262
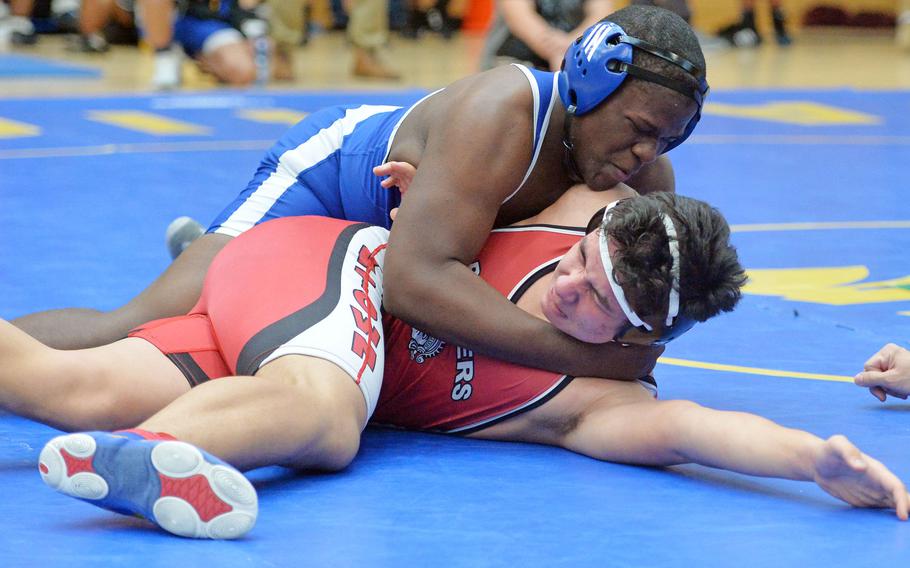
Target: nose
646	149
567	286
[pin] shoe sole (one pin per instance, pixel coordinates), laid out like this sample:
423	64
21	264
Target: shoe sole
192	487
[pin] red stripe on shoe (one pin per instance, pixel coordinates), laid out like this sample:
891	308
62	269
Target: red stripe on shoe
197	492
147	435
76	465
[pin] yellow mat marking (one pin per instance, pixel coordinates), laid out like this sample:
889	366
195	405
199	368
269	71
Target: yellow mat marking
834	286
147	122
799	140
804	113
14	129
753	370
273	115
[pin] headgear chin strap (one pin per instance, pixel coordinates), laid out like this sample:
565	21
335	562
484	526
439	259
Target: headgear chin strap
638	330
598	62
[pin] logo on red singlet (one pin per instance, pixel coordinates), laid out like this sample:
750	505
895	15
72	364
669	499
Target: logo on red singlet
464	374
423	346
366	336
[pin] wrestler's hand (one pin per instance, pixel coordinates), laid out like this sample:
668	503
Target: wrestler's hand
629	361
887	373
400	175
852	476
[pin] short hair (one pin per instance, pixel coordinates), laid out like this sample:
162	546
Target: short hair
666	30
710	276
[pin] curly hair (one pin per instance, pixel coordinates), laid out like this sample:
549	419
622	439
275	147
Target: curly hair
710	273
664	29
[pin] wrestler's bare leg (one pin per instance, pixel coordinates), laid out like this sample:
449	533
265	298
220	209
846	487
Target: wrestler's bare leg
104	388
171	294
232	63
297	411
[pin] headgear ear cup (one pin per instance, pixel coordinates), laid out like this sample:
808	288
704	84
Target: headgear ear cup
585	80
598	62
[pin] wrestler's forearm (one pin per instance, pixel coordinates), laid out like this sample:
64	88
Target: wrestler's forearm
451	303
674	432
741	442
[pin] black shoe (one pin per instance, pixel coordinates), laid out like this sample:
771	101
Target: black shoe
20	38
780	28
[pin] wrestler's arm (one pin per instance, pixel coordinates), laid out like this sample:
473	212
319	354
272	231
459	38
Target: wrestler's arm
661	433
442	225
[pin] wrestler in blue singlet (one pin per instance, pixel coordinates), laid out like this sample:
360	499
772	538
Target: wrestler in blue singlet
324	164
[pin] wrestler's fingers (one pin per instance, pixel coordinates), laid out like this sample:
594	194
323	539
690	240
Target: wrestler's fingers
869	379
875	363
901	502
879	393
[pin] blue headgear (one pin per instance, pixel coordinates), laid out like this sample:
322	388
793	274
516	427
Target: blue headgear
597	63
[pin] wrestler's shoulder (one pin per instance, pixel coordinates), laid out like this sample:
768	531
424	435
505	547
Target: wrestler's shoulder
501	90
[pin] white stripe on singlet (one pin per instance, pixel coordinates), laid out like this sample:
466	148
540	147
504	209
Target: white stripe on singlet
543	129
294	161
388	149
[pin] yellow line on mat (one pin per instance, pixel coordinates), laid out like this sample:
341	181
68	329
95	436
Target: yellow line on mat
753	370
759	227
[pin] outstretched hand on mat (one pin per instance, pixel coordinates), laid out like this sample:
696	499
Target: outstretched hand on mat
852	476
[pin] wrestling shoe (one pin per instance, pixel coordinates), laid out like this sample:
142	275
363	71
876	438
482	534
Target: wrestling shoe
181	233
179	487
166	74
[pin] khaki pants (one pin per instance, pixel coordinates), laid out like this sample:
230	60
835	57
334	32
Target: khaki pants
368	23
286	22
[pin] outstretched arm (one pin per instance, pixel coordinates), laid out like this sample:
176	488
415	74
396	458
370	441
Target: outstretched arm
676	432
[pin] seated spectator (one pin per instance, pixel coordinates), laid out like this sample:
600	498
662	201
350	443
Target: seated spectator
214	35
538	32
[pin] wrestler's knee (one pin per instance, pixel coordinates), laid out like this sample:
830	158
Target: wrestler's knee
338	436
233	64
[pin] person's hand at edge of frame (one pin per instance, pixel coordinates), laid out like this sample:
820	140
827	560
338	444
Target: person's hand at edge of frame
887	373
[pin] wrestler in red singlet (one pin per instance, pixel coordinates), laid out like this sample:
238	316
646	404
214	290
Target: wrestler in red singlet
429	385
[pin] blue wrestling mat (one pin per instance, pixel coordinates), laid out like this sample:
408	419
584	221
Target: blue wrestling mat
813	183
14	66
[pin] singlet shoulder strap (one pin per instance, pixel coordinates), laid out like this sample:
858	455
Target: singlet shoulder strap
544	90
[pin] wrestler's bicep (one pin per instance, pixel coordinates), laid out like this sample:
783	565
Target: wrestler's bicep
464	176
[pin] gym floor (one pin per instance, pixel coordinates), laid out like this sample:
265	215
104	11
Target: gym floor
803	149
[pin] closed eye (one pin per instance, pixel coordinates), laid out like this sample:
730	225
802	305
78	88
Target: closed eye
598	298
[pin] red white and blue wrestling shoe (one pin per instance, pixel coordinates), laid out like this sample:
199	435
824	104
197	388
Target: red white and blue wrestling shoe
182	489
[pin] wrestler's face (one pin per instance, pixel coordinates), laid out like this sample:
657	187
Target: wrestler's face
628	130
580	301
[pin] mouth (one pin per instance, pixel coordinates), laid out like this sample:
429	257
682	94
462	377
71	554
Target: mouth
554	301
621	174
